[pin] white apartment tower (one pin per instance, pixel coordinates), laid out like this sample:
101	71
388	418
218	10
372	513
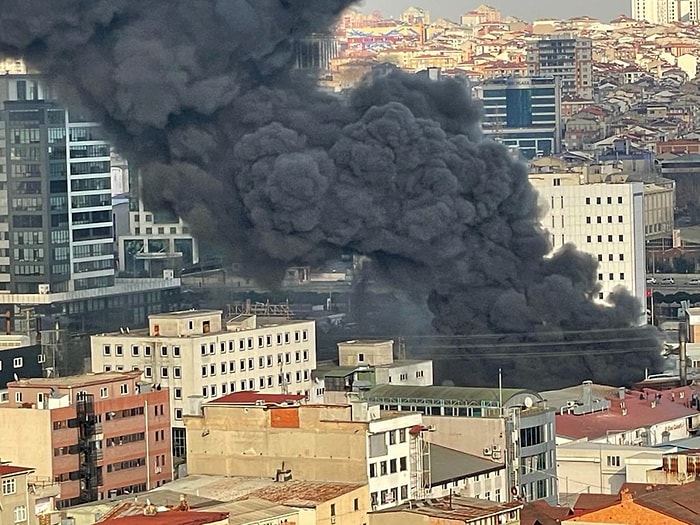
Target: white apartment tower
665	11
198	358
602	215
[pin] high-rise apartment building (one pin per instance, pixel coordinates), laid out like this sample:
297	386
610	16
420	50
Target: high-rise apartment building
566	57
98	435
524	113
55	195
602	215
665	11
199	357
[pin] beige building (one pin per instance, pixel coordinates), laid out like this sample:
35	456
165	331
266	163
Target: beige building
659	203
200	357
275	436
17	504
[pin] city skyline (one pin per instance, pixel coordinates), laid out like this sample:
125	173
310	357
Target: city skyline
525	9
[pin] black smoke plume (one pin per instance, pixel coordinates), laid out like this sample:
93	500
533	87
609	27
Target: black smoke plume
201	95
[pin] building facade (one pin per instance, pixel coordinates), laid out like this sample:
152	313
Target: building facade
603	216
524	113
665	11
199	358
97	435
17	504
517	431
276	436
57	199
566	57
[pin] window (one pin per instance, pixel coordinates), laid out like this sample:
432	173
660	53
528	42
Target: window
203	349
9	486
176	351
392	437
147	351
212	390
619	200
20	514
611	276
177	372
599	220
124	389
178	413
148	372
622	256
205	391
600	257
212	369
588	220
205	371
613	461
392	466
135	351
610	257
17	362
382	468
609	200
621	238
163	371
212	348
622	276
403	464
177	393
118	350
241	365
356	504
232	366
600	238
588	200
106	350
103	392
164	351
619	218
588	238
597	200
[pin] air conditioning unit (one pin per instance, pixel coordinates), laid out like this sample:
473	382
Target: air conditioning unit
44	289
487	451
431	428
168	274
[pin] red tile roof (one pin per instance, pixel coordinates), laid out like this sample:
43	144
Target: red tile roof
170	517
251	398
639	414
9	470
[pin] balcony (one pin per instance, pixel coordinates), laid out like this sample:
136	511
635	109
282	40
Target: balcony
44	487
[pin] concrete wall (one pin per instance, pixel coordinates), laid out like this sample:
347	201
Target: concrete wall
467	434
21	498
26	439
345	512
237	441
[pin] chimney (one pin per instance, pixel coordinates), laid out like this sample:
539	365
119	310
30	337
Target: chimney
587	393
8	322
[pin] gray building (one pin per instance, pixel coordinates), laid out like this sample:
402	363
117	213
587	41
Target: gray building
566	57
513	427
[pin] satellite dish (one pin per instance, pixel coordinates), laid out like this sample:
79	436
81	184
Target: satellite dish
15	376
527	402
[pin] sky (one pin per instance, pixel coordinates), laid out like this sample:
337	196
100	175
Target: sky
528	10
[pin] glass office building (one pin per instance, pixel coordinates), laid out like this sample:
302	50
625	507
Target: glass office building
523	113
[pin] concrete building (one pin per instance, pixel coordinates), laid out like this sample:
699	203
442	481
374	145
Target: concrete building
98	435
665	11
18	357
455	472
603	468
199	357
455	510
363	365
153	241
278	437
17	503
602	215
512	427
523	113
566	57
659	207
615	416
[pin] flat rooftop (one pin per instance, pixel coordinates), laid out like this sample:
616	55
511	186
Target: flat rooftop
185	314
79	380
439	394
454	508
305	494
447	465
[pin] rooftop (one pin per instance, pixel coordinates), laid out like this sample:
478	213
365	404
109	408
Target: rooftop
77	380
304	494
253	398
170	517
639	413
11	470
185	314
440	394
447	464
455	508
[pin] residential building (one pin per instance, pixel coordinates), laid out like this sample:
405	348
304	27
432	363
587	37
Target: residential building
98	435
659	207
364	364
524	113
199	357
19	358
166	516
17	503
665	11
645	503
510	426
602	215
566	57
451	510
319	502
278	437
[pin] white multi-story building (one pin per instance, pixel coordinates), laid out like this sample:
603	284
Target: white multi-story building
199	357
665	11
602	215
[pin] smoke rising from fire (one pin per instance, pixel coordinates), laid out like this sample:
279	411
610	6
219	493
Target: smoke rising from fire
201	95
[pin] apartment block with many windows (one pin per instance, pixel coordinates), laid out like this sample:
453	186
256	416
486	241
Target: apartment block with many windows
200	357
97	435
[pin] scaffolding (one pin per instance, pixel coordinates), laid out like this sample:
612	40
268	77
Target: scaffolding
262	309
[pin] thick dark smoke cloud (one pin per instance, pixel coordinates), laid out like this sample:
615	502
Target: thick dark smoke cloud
200	94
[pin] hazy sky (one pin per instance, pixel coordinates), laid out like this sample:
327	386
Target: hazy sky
525	9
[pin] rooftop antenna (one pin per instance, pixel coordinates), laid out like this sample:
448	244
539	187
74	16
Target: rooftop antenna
500	390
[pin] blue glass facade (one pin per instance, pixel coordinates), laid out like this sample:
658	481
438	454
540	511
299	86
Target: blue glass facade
524	113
